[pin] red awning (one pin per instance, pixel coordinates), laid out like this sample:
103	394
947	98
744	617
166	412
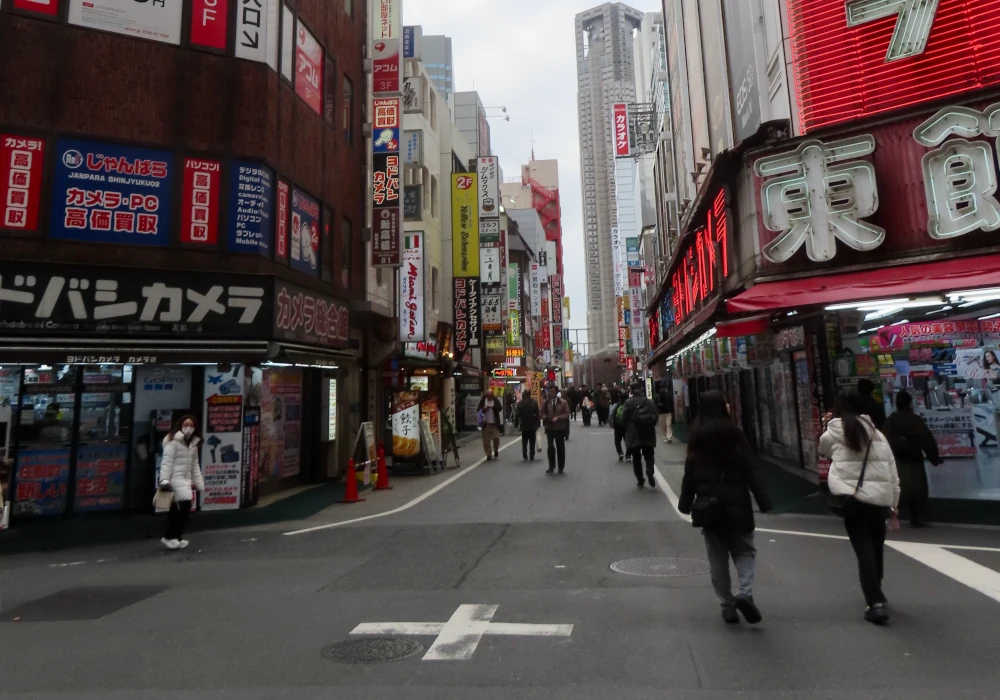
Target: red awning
751	325
882	283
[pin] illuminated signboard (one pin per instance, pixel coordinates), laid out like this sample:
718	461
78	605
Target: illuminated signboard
504	373
860	58
702	263
515	352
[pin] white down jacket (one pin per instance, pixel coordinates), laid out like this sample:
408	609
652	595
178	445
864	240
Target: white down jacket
180	467
881	484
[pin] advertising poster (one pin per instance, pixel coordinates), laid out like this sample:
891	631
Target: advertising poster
430	412
489	187
465	226
209	23
954	429
251	206
200	201
251	457
100	477
281	423
386	113
411	290
221	451
406	425
22	167
157	21
309	69
105	193
304	251
257	31
44	7
42	480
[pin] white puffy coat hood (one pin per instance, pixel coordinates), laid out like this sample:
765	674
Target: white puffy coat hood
180	466
881	483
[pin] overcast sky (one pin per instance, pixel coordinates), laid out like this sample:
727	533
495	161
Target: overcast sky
521	54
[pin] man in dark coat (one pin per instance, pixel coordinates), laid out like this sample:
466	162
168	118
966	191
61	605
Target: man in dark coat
640	432
873	407
602	400
491	410
555	418
527	419
911	441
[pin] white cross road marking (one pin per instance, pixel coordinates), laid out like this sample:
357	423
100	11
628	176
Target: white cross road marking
965	571
458	638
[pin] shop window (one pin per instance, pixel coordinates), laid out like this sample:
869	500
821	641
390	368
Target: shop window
329	97
347	110
347	245
287	44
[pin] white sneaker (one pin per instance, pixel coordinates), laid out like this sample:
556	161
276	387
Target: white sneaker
170	544
182	544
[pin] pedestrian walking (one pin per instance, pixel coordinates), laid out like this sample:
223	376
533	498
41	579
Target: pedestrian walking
718	482
870	406
640	433
665	407
618	423
527	420
864	490
491	419
573	399
555	418
602	402
911	442
180	474
587	410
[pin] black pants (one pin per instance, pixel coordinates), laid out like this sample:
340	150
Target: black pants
602	414
528	438
866	529
557	446
915	495
637	454
177	519
619	437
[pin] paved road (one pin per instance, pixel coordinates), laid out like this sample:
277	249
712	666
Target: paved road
247	614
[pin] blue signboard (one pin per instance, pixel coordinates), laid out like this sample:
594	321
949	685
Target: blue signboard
251	208
106	193
42	479
385	140
408	42
304	254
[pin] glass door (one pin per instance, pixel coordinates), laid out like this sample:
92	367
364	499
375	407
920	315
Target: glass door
104	437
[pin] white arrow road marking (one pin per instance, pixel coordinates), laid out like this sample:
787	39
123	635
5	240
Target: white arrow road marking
458	638
913	28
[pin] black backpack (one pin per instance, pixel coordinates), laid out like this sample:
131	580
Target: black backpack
645	415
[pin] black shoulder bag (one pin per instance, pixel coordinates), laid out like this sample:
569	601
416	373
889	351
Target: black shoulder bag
707	510
840	504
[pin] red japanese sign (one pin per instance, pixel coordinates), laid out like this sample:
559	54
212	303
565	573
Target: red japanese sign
555	286
386	66
386	113
200	202
385	238
22	163
702	262
619	114
385	179
857	58
309	69
45	7
281	227
304	316
209	23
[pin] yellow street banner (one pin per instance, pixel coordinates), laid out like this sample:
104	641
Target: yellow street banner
566	308
464	225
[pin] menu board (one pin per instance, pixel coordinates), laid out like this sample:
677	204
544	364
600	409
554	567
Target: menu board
406	425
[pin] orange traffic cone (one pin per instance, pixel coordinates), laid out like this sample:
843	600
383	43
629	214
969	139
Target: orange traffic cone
351	493
383	472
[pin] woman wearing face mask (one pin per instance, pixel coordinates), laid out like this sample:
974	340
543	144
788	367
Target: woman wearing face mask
179	471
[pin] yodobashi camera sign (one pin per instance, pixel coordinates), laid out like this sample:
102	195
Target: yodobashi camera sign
251	206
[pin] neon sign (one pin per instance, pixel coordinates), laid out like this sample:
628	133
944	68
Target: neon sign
702	263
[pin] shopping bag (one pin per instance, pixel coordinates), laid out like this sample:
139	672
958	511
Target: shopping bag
162	499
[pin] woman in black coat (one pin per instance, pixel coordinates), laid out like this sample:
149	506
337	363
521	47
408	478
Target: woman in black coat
718	482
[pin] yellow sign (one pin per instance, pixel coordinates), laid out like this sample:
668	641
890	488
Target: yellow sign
464	225
515	352
566	308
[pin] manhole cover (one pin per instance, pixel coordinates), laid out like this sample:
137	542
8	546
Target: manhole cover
658	566
375	650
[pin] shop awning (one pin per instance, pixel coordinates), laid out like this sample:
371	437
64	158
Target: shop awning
751	325
881	283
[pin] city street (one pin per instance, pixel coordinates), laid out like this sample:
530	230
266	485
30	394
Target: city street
504	576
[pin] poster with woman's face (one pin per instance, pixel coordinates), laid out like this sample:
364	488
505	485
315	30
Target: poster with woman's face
991	363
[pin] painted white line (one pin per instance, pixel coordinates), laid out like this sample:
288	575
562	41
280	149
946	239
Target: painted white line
518	629
797	533
669	493
416	501
462	633
968	573
415	629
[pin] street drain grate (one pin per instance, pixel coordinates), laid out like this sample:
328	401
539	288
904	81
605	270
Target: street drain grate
661	567
376	650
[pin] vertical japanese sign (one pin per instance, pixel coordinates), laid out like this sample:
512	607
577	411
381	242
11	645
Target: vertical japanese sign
157	21
465	226
619	128
535	291
513	305
475	304
221	451
555	287
385	180
386	202
257	31
281	224
387	38
209	23
489	264
104	193
411	290
22	166
200	201
304	251
489	187
637	325
251	205
309	69
461	317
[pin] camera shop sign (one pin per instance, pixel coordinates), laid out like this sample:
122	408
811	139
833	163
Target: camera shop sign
304	316
100	301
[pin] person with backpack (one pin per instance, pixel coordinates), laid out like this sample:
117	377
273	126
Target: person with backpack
527	420
640	432
618	423
718	482
665	406
911	441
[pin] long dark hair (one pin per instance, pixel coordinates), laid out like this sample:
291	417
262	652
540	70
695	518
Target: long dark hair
849	407
714	435
180	424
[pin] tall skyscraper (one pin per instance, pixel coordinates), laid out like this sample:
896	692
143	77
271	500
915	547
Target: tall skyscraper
605	76
436	52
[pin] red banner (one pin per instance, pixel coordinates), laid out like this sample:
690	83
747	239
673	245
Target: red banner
309	69
620	127
555	285
22	163
209	23
45	7
200	202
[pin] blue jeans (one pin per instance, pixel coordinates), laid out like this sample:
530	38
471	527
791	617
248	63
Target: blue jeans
723	544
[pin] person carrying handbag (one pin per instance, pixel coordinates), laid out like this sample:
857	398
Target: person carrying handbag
864	491
718	482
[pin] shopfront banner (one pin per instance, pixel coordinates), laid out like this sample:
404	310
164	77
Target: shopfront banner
281	423
221	449
200	201
411	290
40	300
100	477
22	168
42	479
304	252
251	208
308	317
210	23
106	193
308	68
156	21
465	226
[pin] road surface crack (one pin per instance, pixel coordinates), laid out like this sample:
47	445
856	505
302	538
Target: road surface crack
465	574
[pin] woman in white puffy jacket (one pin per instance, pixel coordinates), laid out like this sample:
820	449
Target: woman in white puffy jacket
853	443
180	472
